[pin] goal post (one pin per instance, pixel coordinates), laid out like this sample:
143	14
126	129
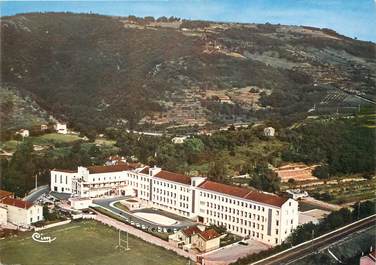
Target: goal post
123	243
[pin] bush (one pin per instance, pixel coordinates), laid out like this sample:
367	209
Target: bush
321	172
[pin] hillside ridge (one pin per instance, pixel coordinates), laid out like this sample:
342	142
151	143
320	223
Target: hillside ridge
100	71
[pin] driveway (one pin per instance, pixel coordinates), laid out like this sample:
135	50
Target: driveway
231	253
36	194
108	205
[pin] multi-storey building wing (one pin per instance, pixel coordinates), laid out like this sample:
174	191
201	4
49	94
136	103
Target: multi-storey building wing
262	216
245	212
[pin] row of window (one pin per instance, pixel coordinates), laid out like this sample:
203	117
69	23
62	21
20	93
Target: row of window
170	185
228	209
233	219
180	212
256	217
240	230
231	201
170	201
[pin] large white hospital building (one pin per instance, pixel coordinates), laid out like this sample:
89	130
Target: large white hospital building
261	216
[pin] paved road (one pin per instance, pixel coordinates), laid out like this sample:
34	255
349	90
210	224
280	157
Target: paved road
307	249
36	194
233	252
107	204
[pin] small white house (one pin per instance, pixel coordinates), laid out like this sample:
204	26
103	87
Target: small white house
297	194
22	213
269	131
179	139
23	133
80	203
61	128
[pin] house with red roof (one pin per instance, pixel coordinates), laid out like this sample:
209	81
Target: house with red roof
21	213
208	240
193	237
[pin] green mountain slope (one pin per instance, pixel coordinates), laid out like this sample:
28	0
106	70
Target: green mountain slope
98	71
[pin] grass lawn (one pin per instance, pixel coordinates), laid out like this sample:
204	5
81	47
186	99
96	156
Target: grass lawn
9	146
103	141
86	242
121	206
51	138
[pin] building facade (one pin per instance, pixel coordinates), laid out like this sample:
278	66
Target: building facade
262	216
61	128
22	213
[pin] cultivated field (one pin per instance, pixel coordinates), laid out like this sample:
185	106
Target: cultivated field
81	243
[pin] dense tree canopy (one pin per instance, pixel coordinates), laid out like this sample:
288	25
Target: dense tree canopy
342	146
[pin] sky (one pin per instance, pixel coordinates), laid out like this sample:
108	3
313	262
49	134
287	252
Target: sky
353	18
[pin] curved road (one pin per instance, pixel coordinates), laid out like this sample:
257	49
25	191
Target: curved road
37	193
128	216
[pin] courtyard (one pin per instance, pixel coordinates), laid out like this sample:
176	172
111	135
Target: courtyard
86	242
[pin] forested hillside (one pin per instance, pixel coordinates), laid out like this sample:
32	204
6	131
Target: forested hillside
98	71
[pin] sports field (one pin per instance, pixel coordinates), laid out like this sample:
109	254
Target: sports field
86	242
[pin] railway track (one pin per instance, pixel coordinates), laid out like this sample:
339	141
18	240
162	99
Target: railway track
307	248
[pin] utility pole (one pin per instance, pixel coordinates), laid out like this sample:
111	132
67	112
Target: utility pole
36	181
313	234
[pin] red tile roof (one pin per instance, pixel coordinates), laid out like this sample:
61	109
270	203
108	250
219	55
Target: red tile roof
191	231
145	170
209	234
4	194
16	202
108	169
64	170
243	193
175	177
266	198
223	188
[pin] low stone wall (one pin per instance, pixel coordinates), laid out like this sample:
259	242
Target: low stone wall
52	225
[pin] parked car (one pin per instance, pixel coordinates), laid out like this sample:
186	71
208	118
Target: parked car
243	242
